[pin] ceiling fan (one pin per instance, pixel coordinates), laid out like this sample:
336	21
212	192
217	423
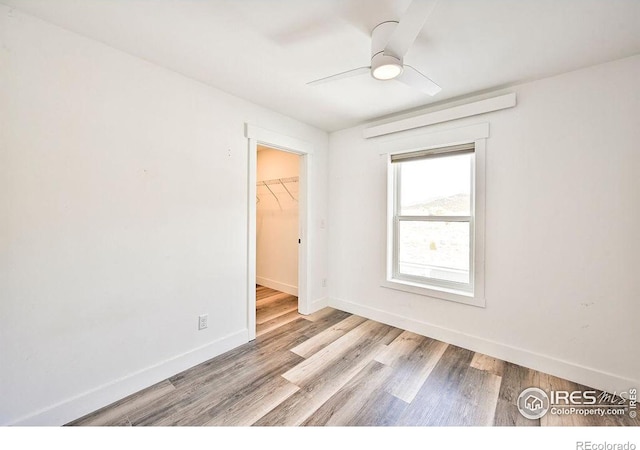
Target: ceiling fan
390	41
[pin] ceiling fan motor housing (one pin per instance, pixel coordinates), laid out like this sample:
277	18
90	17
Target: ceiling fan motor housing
384	66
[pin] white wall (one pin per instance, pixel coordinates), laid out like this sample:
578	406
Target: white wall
123	215
562	218
277	222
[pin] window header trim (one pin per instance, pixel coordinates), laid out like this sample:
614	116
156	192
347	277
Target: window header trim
433	153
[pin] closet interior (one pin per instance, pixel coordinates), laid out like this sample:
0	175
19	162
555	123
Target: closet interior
277	234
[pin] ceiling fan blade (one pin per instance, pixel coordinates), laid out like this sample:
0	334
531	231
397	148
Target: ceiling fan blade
411	77
341	75
409	27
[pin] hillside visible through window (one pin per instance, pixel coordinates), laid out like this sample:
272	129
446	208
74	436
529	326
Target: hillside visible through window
436	188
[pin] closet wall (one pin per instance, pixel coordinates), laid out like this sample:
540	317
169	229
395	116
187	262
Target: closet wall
277	220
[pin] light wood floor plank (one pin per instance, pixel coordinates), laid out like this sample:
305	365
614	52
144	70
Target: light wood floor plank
267	297
210	396
250	408
117	413
264	348
277	309
515	379
364	335
434	403
550	383
262	292
475	404
276	323
415	356
488	364
381	410
401	346
319	382
352	401
261	391
319	314
282	310
330	335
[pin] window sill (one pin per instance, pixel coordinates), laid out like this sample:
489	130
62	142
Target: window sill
452	295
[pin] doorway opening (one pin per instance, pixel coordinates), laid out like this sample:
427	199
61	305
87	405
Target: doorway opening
277	237
258	136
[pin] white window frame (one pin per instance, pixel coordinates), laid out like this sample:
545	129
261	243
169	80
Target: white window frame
398	218
477	134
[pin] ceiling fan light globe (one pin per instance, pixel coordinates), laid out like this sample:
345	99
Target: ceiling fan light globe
387	72
385	67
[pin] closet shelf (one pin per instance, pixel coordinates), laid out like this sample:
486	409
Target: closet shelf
281	181
278	181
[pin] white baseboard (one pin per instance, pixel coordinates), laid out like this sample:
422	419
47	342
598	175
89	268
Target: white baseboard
273	284
587	376
86	402
318	304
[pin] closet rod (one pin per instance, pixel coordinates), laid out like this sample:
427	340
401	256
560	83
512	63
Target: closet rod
278	181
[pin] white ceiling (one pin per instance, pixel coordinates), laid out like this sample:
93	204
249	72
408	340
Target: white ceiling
267	50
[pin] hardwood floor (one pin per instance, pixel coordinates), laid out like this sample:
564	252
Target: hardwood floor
334	368
274	309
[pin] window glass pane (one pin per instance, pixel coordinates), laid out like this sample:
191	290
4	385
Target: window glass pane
438	250
436	186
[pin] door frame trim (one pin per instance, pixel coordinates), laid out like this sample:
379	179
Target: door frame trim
278	141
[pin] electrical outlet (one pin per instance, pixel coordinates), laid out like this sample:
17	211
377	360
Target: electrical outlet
324	282
203	321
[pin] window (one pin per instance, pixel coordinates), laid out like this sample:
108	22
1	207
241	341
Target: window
432	235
